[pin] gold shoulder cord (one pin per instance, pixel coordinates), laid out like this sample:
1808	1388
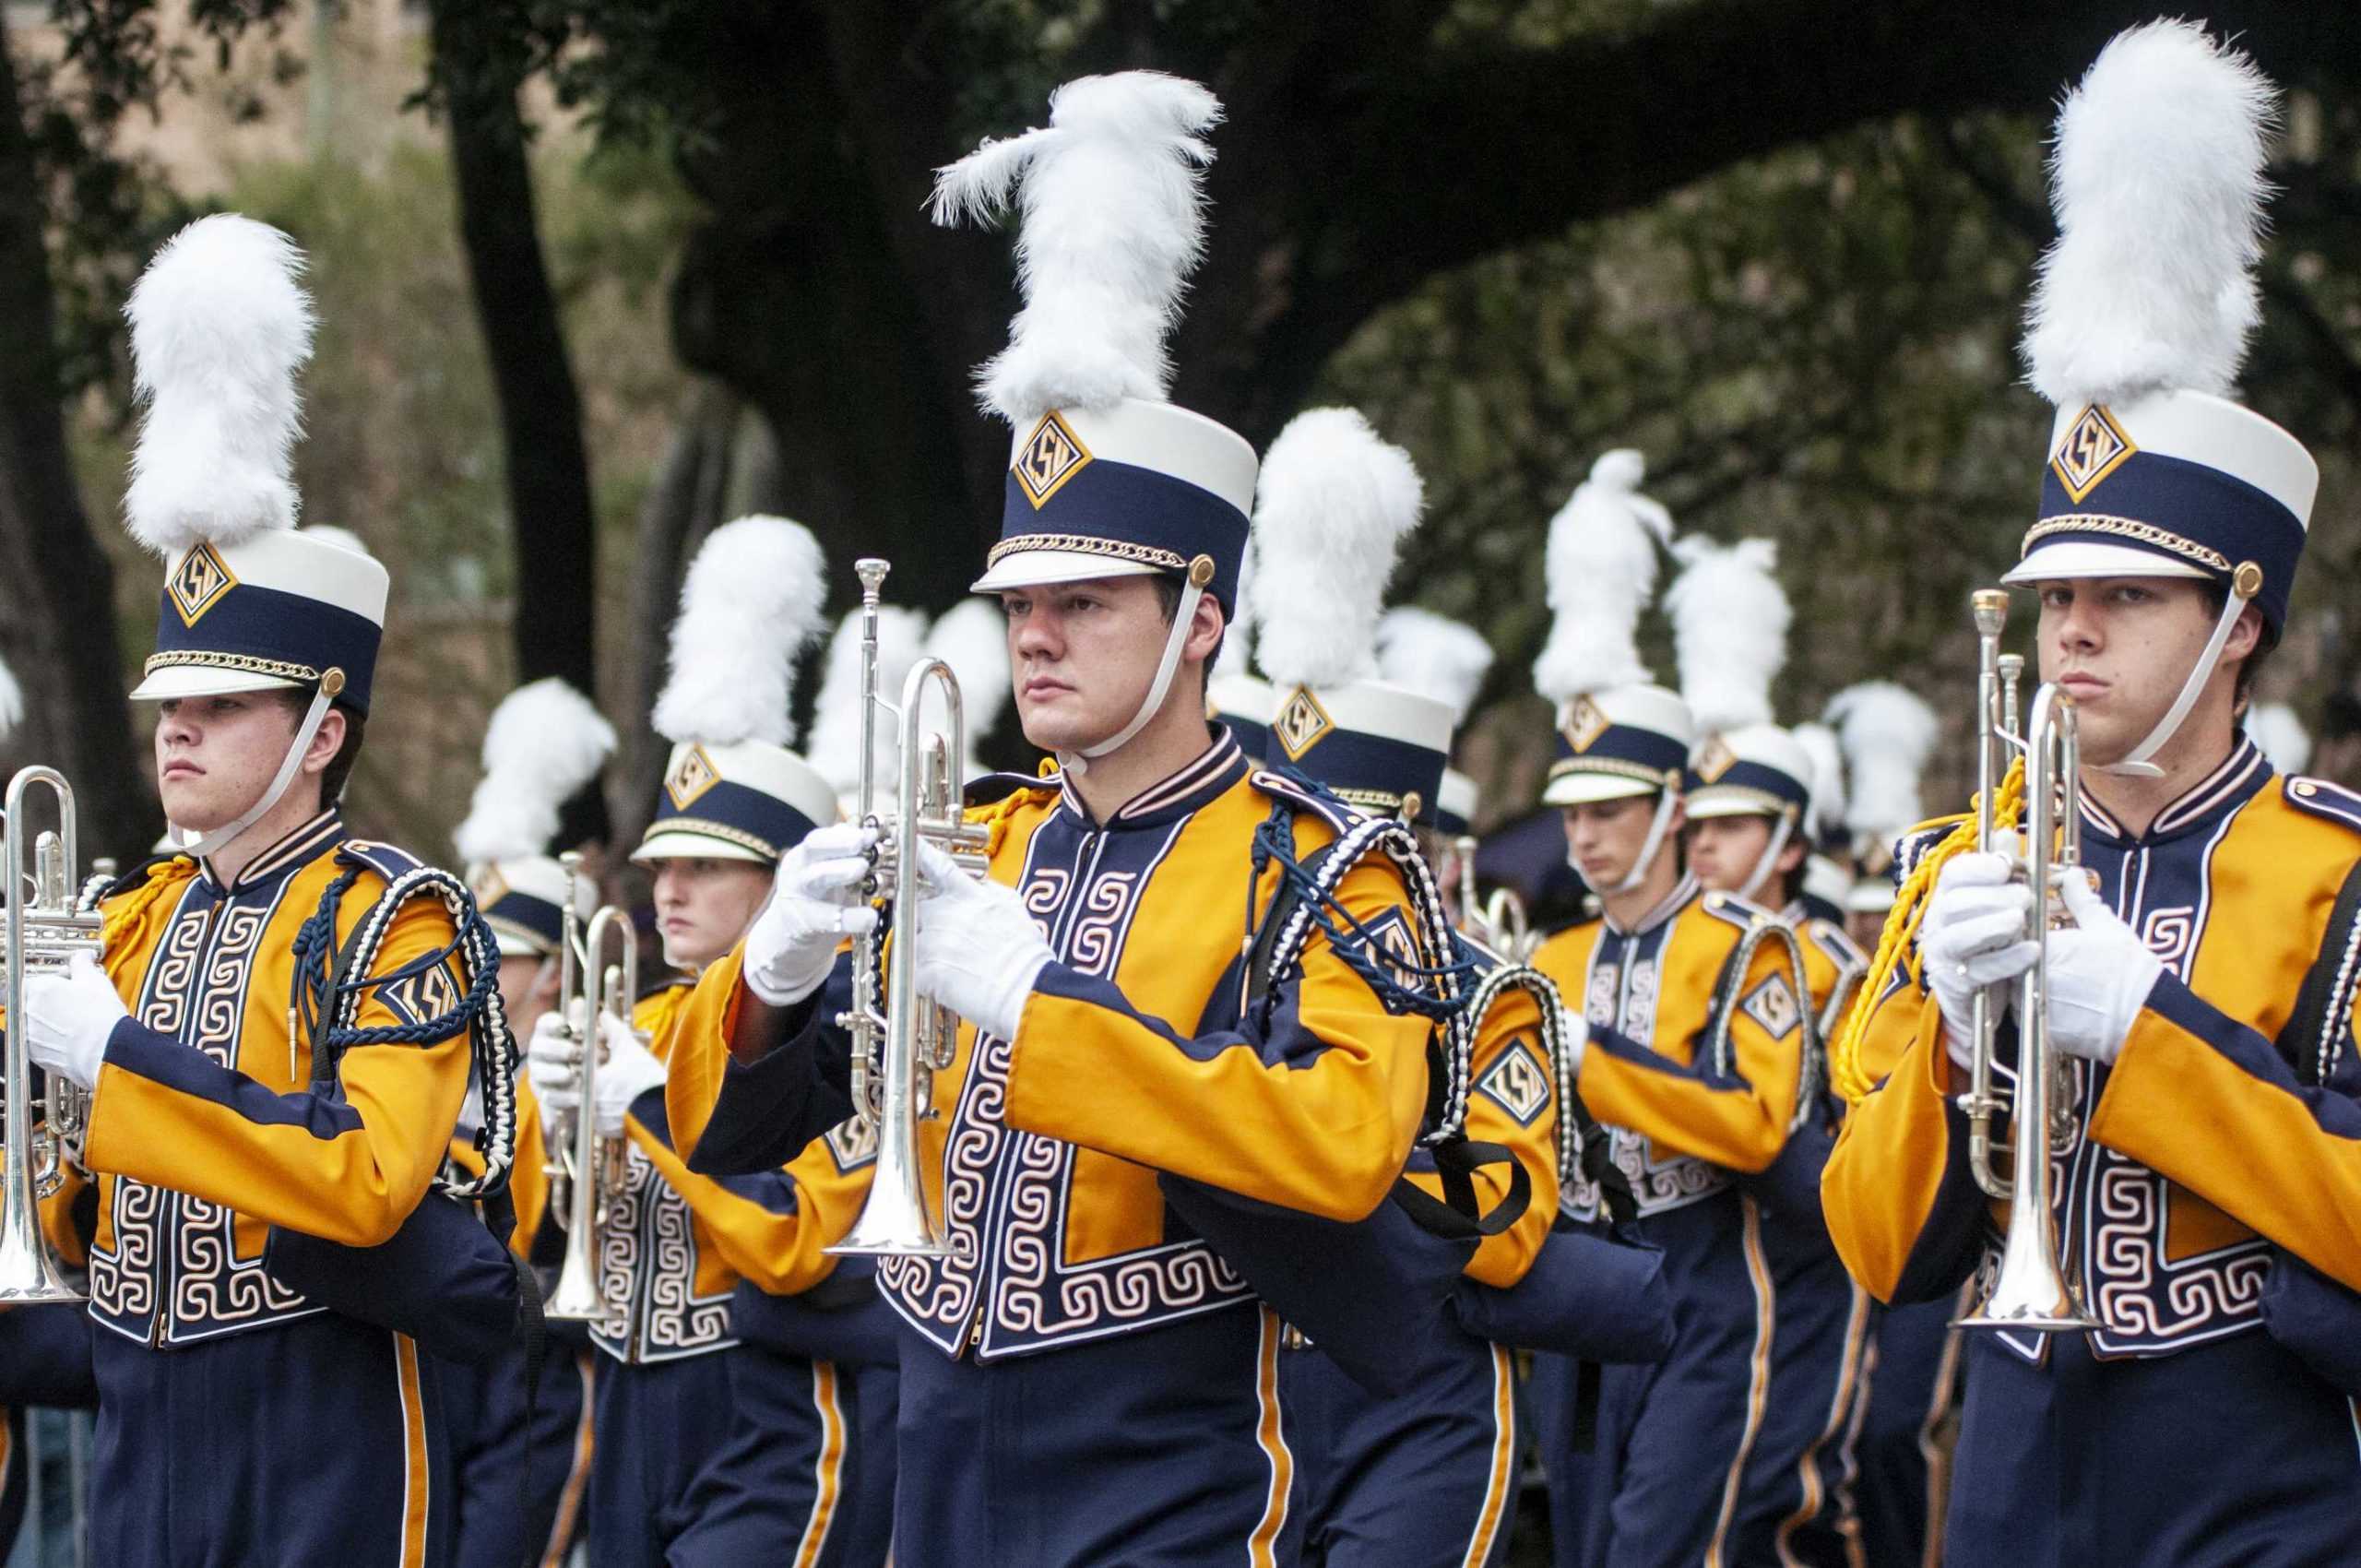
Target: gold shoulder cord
1845	1069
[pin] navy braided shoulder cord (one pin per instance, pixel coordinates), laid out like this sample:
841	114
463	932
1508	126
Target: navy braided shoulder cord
330	1020
1316	906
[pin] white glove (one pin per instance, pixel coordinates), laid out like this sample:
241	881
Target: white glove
816	903
551	1065
627	1071
68	1018
978	950
2100	974
1974	936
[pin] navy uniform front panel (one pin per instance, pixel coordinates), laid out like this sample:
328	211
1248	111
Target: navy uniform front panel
1076	1460
318	1441
2231	1453
778	1489
1423	1480
515	1461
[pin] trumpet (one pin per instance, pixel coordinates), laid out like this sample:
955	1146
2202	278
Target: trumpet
46	924
1499	922
587	1172
900	1041
2035	1288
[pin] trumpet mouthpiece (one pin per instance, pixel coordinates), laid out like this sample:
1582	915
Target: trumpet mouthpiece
1991	610
872	572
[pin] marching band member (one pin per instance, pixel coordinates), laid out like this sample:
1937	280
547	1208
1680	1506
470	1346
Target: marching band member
1903	1453
1828	873
712	1448
1428	1474
1085	1381
1695	1061
519	1427
2202	1188
242	1420
1749	801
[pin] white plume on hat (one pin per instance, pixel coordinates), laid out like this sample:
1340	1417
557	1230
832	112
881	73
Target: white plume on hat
751	602
545	740
1827	780
1730	629
12	702
1331	510
1238	637
1434	656
1889	734
219	325
2157	181
1112	224
835	745
2273	726
1600	567
972	637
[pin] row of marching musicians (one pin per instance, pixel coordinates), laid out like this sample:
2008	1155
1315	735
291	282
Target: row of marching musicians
1212	1177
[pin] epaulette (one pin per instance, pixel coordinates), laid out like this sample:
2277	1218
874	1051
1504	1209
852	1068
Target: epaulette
1331	808
1738	911
990	789
1476	948
2318	797
150	870
1842	950
384	859
1912	846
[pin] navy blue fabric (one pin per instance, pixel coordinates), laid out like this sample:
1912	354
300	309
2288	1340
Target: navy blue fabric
260	622
2229	1452
1139	1450
1121	501
1588	1296
744	807
1912	1385
752	1503
1352	759
877	1404
443	1279
45	1357
1394	1483
2203	504
841	1319
1759	776
1253	739
160	1059
1628	743
538	916
281	1448
512	1465
2314	1316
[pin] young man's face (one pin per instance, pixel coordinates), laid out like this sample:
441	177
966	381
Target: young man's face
215	755
703	906
2121	647
1724	851
1083	655
1604	839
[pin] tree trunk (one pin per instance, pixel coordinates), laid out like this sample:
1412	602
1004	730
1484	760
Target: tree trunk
57	623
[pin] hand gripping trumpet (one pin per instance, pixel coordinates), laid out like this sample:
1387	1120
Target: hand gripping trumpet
900	1042
586	1171
46	924
2033	1288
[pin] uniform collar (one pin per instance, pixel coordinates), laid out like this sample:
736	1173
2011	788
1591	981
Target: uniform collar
305	844
1191	788
1674	902
2219	793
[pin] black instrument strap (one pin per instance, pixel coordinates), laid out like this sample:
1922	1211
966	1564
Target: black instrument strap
1459	1213
2328	988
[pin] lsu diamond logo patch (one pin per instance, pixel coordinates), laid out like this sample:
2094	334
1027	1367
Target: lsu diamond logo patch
1773	1004
1299	723
1517	1083
197	584
1715	760
2094	448
1050	456
852	1143
691	777
1584	724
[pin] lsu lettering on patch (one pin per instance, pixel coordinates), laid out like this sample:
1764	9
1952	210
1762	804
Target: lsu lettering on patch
1517	1083
1772	1005
852	1143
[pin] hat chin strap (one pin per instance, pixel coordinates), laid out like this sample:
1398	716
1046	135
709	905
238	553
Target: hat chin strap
1183	617
1653	846
228	834
2135	764
1761	873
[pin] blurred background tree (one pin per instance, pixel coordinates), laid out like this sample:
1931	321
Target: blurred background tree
1780	244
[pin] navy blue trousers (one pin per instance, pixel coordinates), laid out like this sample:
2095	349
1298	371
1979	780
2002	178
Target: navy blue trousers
1905	1471
316	1441
2232	1453
1425	1479
877	1399
1154	1449
519	1471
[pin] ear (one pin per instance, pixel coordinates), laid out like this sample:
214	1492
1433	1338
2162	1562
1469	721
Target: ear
2245	637
1792	855
1679	822
1207	624
327	742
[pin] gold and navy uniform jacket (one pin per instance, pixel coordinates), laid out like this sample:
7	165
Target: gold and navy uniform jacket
1678	1127
1512	1102
1833	965
678	1243
203	1131
1134	1055
2200	1142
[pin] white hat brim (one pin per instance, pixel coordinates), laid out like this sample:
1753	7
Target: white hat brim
2070	558
1724	803
1042	568
176	681
681	844
1584	788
